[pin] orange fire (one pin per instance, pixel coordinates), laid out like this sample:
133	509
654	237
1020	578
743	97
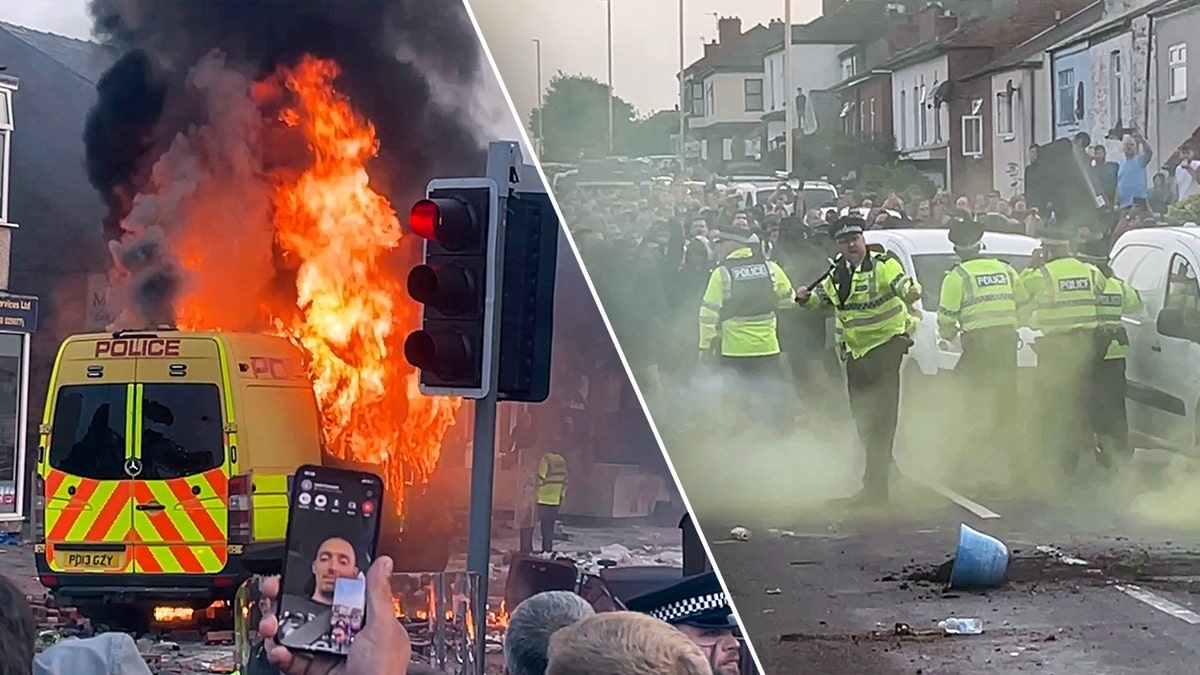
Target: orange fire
352	313
173	614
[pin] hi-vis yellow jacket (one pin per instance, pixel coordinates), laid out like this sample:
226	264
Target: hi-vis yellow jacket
551	479
1064	295
739	305
1118	299
877	308
979	293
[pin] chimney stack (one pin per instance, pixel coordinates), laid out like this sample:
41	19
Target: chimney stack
728	29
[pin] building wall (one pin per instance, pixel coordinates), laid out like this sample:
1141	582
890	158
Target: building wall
972	174
1043	101
907	84
1071	81
1010	151
877	92
1110	102
725	100
1178	120
813	67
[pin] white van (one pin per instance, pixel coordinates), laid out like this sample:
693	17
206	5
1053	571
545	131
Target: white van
1163	359
927	256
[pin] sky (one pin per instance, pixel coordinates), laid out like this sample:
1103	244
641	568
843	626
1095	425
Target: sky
573	36
572	33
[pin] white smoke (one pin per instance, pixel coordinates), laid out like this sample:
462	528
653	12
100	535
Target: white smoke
207	197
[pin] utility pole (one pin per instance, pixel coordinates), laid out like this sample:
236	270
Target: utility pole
682	94
788	107
610	79
541	144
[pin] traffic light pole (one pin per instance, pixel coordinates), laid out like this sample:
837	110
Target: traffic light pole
503	157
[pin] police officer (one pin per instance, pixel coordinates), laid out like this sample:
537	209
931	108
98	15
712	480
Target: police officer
1064	297
872	298
978	301
698	608
1108	416
738	320
550	492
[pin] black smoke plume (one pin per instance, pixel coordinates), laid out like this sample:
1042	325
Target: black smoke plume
397	58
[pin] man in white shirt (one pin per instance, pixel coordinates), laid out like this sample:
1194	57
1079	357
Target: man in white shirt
1186	180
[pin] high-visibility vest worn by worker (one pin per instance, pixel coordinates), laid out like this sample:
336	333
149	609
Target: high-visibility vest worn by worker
1118	299
551	479
979	293
1064	295
876	307
739	305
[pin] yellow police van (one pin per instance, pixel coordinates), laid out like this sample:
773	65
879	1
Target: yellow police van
163	467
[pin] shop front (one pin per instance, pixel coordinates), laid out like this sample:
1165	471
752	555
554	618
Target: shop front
18	322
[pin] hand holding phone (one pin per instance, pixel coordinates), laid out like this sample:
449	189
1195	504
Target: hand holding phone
333	529
381	648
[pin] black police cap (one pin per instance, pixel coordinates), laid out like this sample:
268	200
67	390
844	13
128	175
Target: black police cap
851	223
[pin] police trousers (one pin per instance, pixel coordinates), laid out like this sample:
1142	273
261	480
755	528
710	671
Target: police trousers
1108	414
987	378
873	383
756	392
1064	378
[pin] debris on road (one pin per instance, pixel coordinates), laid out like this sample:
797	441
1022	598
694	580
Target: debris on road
774	591
981	561
1062	557
739	534
956	626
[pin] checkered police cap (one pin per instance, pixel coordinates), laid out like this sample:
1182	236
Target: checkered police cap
682	610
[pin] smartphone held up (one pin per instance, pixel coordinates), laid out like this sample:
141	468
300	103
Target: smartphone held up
333	531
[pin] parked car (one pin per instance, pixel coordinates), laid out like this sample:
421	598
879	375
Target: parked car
927	256
1163	359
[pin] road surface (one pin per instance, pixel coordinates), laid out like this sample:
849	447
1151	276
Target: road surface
1096	585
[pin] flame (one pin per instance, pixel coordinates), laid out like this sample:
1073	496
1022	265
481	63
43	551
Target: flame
351	313
499	618
172	614
496	619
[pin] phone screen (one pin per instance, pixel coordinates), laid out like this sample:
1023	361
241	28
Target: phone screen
333	528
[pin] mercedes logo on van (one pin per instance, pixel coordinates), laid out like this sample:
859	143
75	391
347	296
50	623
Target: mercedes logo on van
133	467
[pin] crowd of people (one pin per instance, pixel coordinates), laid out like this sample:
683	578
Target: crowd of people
686	628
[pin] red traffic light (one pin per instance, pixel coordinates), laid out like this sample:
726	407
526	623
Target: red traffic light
424	218
448	222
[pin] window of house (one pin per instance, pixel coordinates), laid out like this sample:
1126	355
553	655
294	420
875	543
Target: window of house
727	149
1114	87
753	94
972	135
872	127
916	118
903	139
771	90
6	127
1004	114
698	99
846	117
862	117
710	107
1177	72
1066	96
923	115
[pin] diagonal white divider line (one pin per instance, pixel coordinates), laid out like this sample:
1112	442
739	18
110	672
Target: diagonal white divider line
974	507
587	277
1160	603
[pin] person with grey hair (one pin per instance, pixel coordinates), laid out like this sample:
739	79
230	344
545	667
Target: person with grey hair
533	622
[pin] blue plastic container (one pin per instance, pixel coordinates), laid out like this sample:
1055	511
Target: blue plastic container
980	562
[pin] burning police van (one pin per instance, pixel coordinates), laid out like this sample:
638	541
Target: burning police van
163	466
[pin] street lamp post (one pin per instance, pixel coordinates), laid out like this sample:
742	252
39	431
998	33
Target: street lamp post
541	94
682	93
788	107
610	78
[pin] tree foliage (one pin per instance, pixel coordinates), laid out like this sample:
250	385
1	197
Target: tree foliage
575	123
1186	211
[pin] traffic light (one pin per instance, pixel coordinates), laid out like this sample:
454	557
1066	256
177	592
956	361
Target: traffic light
527	309
456	283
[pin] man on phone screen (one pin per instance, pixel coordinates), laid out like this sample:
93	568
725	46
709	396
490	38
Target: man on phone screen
335	559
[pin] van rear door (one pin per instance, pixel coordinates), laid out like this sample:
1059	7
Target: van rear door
89	442
181	493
